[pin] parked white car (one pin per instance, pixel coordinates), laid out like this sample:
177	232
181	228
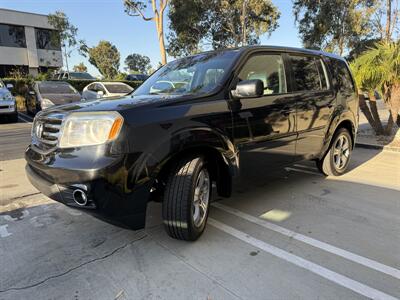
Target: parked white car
98	90
8	106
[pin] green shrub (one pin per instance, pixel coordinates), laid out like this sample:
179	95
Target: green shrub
21	86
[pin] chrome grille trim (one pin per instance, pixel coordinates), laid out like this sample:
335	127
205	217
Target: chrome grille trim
49	132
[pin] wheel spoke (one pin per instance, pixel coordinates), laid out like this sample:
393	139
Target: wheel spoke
203	207
201	197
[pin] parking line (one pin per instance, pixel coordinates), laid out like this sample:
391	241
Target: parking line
305	167
369	263
24	118
337	278
4	232
302	171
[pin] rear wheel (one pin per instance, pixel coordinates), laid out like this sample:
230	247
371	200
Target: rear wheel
187	199
336	160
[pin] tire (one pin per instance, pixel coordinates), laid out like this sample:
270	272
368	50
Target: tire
187	199
337	158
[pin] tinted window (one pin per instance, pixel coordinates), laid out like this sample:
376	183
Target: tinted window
47	39
267	68
306	71
12	36
343	77
118	88
55	88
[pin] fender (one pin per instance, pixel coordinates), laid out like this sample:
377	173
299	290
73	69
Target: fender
190	139
340	115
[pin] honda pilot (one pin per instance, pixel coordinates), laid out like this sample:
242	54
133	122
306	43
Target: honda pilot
194	125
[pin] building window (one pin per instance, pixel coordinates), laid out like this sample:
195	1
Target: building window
12	36
47	39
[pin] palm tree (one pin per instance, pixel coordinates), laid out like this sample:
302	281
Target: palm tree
379	69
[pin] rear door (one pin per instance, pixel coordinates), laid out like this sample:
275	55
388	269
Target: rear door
315	103
264	127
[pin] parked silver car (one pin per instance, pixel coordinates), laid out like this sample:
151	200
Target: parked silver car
8	106
97	90
45	94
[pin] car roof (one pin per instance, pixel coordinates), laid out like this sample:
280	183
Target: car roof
247	49
110	82
53	82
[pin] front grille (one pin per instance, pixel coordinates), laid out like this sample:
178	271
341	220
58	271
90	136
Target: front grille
46	130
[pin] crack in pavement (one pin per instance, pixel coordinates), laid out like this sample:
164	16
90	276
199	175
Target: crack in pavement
24	196
74	268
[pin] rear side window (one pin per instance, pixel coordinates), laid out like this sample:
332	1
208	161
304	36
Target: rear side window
343	77
309	73
268	68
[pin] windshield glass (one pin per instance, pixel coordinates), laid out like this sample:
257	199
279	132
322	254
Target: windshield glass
118	88
55	88
194	75
79	75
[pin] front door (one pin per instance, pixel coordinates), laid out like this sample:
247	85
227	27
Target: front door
265	127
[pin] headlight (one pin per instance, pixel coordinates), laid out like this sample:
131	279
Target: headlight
7	97
46	103
91	128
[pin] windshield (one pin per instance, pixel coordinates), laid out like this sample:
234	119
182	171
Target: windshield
118	88
55	88
194	75
79	75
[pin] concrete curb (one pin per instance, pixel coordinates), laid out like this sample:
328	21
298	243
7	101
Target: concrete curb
377	147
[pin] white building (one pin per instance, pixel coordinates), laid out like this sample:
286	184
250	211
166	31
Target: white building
28	43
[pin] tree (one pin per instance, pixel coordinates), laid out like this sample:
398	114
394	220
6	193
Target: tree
67	34
386	19
334	25
80	67
105	57
218	24
379	68
138	63
137	8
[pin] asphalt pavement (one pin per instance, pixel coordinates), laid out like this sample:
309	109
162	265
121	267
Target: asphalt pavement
285	234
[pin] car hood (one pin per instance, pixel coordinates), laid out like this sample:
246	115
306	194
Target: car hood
59	99
113	104
4	92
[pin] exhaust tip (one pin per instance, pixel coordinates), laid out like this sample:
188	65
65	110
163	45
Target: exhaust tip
80	197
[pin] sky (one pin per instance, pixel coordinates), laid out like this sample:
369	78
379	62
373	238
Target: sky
106	20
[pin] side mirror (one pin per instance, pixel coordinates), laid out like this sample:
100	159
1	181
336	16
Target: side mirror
249	89
100	94
9	86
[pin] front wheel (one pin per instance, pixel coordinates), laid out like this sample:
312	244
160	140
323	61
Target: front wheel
336	160
187	199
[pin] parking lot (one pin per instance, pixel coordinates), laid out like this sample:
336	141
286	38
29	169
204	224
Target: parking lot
290	234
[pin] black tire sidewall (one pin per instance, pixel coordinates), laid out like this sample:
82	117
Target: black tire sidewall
195	231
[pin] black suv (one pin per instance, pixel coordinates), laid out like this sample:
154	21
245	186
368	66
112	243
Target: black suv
198	120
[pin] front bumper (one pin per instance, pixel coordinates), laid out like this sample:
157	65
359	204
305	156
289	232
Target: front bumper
106	199
7	109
